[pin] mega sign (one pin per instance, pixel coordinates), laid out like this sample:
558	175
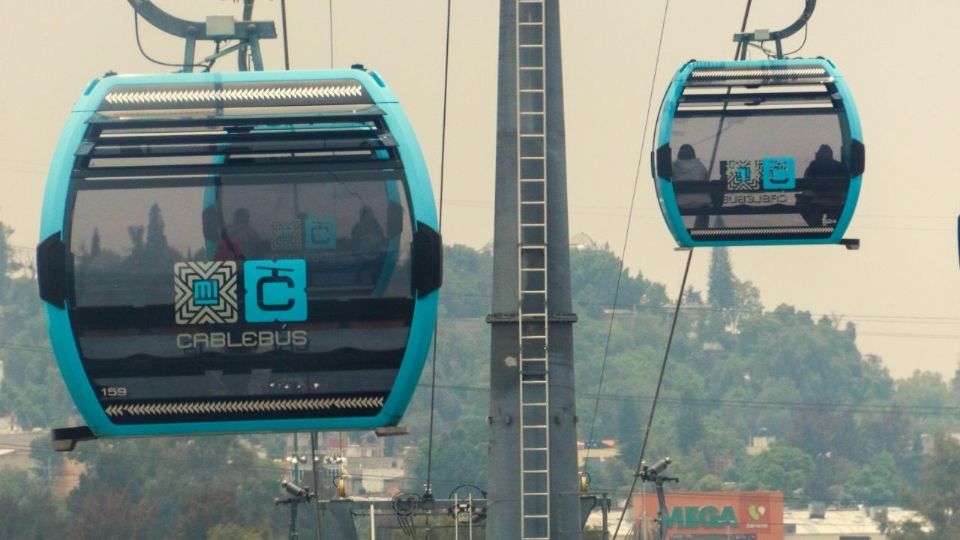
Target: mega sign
702	517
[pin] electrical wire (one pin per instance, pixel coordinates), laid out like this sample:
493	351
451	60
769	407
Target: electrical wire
626	236
136	31
673	325
804	42
330	3
436	324
656	394
283	23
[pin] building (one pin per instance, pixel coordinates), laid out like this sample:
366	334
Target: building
712	515
601	450
754	516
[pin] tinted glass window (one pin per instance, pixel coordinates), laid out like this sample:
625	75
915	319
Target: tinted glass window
766	168
354	236
241	289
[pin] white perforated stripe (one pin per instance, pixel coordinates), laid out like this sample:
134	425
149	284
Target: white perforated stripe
759	230
233	94
245	406
757	73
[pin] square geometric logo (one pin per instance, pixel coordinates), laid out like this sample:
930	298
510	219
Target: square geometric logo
779	173
205	292
275	291
321	233
743	175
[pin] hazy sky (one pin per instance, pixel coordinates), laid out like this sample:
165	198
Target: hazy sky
902	288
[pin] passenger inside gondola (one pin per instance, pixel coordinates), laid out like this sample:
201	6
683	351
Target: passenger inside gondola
688	168
239	240
821	205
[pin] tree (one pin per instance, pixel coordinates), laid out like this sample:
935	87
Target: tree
459	457
730	299
877	483
782	468
466	282
936	496
721	283
6	260
28	508
32	388
173	488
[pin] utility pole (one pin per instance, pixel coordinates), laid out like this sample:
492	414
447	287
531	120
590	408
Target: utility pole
533	464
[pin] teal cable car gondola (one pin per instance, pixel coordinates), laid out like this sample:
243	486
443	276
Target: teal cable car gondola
229	252
758	153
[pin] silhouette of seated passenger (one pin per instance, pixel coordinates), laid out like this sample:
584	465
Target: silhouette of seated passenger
820	206
239	240
824	166
369	245
688	168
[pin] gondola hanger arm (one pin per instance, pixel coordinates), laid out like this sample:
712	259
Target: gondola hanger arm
215	28
776	36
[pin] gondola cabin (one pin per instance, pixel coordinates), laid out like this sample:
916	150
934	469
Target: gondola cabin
758	153
232	252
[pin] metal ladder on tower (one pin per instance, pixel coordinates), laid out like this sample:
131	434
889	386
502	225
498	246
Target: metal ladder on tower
532	234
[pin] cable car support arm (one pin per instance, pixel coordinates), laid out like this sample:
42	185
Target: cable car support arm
745	38
215	28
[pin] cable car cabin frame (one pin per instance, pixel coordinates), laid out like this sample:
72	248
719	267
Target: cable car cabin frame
236	252
757	127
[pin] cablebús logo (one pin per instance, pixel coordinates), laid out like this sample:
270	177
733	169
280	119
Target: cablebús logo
274	291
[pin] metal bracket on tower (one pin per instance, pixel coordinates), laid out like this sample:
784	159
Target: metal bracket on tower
215	28
778	36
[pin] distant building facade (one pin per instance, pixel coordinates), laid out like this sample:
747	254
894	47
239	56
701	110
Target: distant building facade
712	515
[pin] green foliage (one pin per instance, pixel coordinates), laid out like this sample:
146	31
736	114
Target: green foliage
459	457
466	283
31	388
877	483
6	260
172	488
936	496
27	508
593	277
235	532
782	468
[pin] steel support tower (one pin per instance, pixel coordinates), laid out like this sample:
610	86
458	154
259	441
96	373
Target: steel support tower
533	447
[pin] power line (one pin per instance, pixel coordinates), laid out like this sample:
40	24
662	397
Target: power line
283	23
436	323
821	406
676	313
626	235
330	3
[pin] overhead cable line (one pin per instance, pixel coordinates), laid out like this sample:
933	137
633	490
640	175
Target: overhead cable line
656	394
436	324
283	23
626	235
330	3
859	408
676	313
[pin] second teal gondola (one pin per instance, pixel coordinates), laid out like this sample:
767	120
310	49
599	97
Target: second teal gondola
758	153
